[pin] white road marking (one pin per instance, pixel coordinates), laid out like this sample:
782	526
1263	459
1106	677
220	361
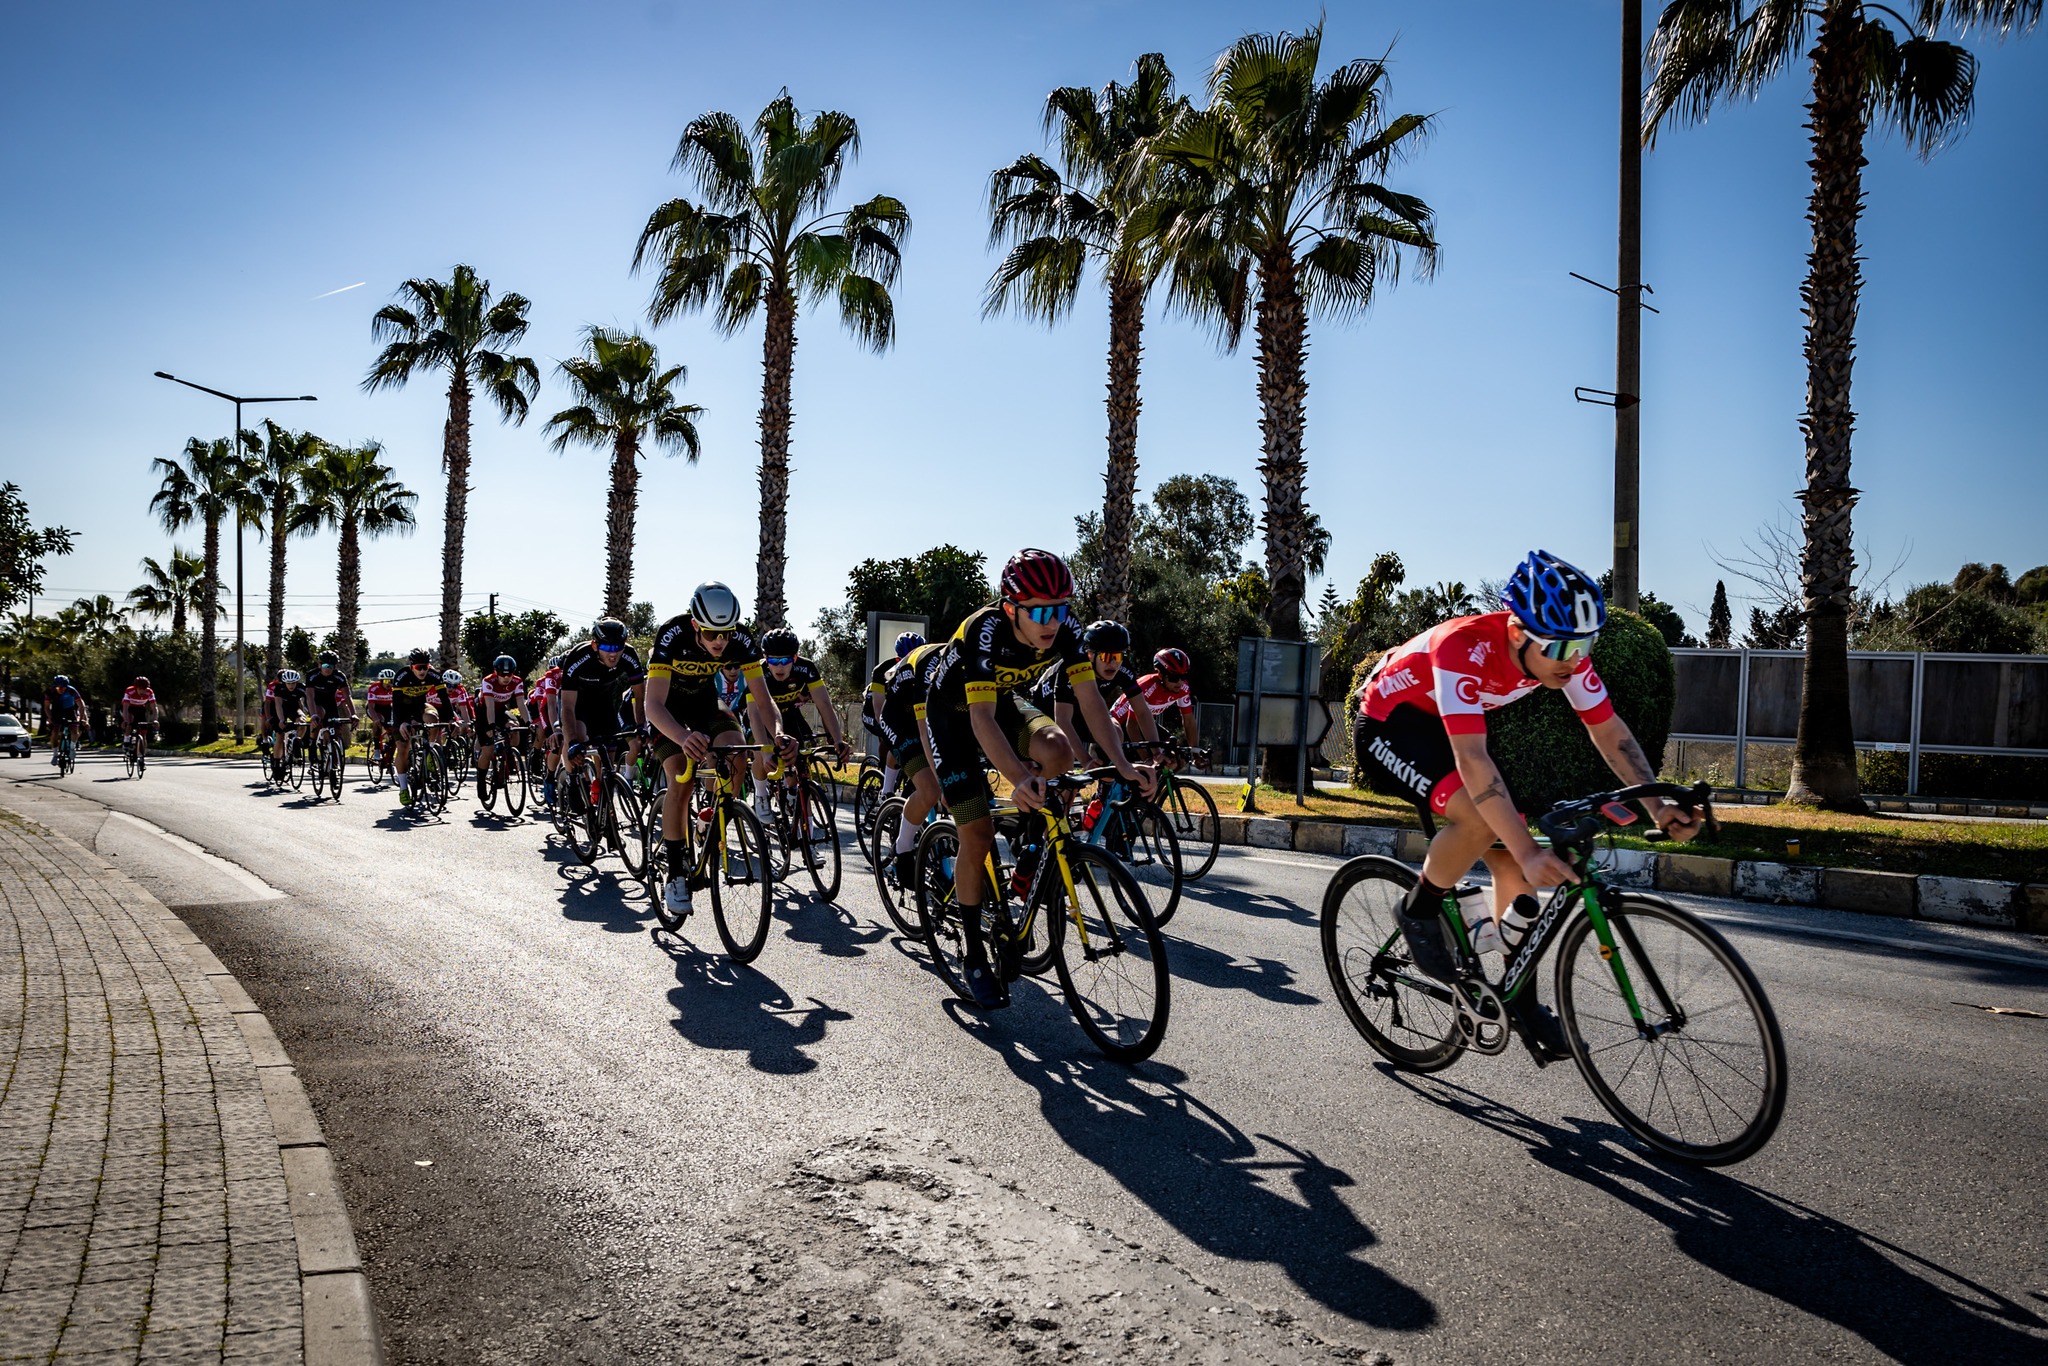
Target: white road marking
261	890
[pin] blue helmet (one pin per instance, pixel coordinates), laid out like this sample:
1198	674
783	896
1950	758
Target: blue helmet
907	642
1554	600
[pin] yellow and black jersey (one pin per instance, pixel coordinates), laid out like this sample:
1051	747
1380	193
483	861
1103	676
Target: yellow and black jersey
804	675
1053	686
984	660
690	668
878	681
411	692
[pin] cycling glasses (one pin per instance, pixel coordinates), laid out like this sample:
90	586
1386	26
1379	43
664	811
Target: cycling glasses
1110	656
709	634
780	660
1565	651
1053	611
604	648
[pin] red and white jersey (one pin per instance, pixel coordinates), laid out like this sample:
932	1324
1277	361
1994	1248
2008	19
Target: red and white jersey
138	698
501	688
459	701
270	690
377	694
1464	669
543	691
1160	693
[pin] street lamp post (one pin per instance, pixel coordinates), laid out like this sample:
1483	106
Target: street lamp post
234	443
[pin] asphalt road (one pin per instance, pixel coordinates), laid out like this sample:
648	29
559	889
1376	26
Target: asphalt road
562	1142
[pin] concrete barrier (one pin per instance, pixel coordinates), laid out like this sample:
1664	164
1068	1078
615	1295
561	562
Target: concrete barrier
1372	839
1695	873
1268	832
1855	889
1968	901
1787	884
2031	905
1628	867
1319	837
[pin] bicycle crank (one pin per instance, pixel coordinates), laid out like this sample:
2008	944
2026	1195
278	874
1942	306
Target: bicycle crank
1482	1016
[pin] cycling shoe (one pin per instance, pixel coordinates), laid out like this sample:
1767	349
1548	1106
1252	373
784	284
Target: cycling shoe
1429	944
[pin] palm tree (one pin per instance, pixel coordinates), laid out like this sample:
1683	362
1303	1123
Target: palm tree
457	328
174	591
96	620
1276	179
280	470
1056	222
1869	65
763	240
211	485
351	490
626	397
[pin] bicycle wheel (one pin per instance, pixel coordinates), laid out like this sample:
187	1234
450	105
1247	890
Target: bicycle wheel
337	764
511	781
867	805
817	835
654	868
1408	1018
128	758
626	823
1141	838
296	760
1192	812
1703	1078
487	783
880	847
938	909
584	790
742	883
1111	960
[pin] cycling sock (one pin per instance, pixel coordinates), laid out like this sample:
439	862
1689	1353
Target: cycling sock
1425	899
970	917
889	776
678	857
906	836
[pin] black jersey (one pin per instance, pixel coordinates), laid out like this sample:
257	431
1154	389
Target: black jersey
1053	686
409	695
329	690
984	660
878	681
789	692
290	701
600	688
690	669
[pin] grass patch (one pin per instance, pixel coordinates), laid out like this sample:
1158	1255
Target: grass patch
2011	852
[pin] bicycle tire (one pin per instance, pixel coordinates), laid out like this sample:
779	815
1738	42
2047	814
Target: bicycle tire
817	829
941	927
1117	982
586	816
128	759
741	864
1141	837
1408	1019
654	867
1652	939
296	762
337	765
1195	826
487	784
897	900
512	783
626	821
867	806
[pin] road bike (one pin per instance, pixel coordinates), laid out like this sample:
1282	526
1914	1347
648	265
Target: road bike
330	757
1064	904
725	850
135	749
504	771
597	806
426	769
880	848
1138	834
1667	1024
1190	810
67	753
805	820
287	757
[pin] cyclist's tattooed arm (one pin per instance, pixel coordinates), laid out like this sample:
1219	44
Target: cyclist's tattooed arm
1618	746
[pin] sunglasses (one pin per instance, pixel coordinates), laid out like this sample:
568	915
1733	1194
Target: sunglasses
609	649
780	660
1110	656
709	634
1565	651
1051	612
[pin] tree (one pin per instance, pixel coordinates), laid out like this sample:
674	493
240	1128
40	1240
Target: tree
1869	65
945	583
624	399
279	471
299	649
95	620
1091	209
1276	180
1200	521
456	327
528	637
1719	623
209	486
23	548
349	489
174	591
762	240
1780	629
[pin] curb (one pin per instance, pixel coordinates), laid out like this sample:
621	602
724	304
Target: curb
339	1320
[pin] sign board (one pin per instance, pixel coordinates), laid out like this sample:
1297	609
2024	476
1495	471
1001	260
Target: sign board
1278	717
883	628
1277	704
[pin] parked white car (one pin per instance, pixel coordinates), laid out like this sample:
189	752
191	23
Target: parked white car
14	741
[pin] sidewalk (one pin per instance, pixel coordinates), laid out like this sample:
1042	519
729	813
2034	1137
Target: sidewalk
162	1198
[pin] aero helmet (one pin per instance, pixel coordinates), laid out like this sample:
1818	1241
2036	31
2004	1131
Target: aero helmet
714	607
1106	638
1554	600
907	642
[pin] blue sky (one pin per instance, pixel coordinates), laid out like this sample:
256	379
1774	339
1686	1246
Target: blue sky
183	181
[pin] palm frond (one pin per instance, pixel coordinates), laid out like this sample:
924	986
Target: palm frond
1926	90
867	312
1040	278
510	382
714	149
743	289
2000	18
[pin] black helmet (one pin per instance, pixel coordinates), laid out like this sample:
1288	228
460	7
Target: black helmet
505	664
609	631
60	681
329	660
779	642
1106	638
418	657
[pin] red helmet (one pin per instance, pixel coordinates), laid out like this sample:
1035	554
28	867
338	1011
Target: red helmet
142	683
1173	663
1037	574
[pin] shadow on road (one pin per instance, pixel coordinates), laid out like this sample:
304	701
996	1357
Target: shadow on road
726	1006
596	896
1904	1306
1268	978
836	931
1218	891
1216	1185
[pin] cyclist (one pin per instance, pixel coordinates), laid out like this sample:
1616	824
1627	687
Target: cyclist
792	681
971	711
600	679
682	708
500	694
63	712
543	704
877	698
266	718
1164	689
415	685
902	723
138	707
327	691
1053	692
458	705
287	705
377	701
1421	734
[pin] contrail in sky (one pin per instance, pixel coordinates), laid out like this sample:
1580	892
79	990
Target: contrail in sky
343	290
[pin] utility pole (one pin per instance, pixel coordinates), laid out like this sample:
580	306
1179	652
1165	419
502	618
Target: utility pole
1628	320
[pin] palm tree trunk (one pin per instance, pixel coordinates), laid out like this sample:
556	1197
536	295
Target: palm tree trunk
209	658
1283	416
1824	757
1120	481
178	612
348	588
619	518
455	514
273	653
778	356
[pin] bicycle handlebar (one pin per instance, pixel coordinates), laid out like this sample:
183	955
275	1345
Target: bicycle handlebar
1575	823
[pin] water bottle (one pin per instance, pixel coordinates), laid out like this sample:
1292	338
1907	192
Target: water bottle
1091	815
1519	919
1472	907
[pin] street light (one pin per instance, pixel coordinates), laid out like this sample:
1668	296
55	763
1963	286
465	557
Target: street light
235	443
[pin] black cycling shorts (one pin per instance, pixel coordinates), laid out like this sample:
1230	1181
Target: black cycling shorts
957	756
698	712
1407	755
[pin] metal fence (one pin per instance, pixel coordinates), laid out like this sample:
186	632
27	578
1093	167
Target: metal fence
1914	704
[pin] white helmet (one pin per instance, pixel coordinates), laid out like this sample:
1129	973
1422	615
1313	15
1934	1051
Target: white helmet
715	607
290	676
452	678
386	675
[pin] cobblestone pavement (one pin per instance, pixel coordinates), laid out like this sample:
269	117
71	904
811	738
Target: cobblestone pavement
143	1209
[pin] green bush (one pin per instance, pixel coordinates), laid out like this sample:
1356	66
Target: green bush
1542	748
1983	777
